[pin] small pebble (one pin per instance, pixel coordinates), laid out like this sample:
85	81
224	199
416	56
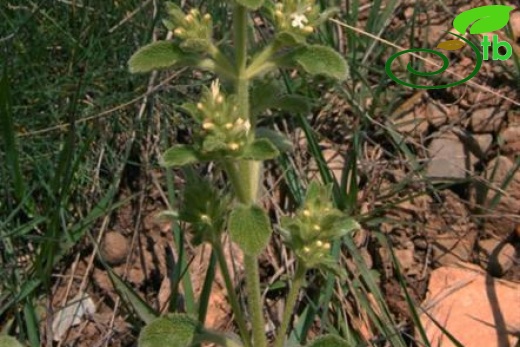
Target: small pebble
114	248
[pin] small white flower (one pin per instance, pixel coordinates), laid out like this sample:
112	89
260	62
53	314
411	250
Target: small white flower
243	125
298	20
247	126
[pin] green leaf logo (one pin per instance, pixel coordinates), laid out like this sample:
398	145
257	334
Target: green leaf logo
451	45
485	19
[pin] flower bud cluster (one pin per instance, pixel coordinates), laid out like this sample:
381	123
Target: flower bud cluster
194	28
222	126
296	16
310	232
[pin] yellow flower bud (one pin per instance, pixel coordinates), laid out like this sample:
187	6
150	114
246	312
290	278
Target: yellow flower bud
234	146
200	106
306	213
228	126
207	125
278	13
326	246
319	243
219	99
308	29
205	218
188	18
178	31
316	227
207	17
306	249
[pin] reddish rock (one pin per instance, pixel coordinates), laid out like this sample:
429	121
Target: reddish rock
502	221
511	140
487	120
476	309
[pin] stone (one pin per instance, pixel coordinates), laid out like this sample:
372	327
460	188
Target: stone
436	115
114	248
448	158
510	139
453	248
413	123
501	220
484	141
476	309
435	34
406	259
487	120
497	257
498	171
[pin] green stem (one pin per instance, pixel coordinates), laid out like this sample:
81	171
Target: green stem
297	283
235	305
235	176
245	181
255	300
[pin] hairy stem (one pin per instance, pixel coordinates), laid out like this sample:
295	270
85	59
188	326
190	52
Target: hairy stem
297	283
235	305
255	300
246	184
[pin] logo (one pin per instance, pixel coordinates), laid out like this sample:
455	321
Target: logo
484	19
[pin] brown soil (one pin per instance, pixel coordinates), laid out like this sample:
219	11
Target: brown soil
427	227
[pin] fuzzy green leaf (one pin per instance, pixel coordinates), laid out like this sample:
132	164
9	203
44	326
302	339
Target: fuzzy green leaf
329	341
8	341
175	11
287	39
264	93
282	143
251	4
321	60
249	227
158	55
174	330
179	155
485	18
261	149
195	45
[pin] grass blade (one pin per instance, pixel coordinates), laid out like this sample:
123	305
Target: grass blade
8	134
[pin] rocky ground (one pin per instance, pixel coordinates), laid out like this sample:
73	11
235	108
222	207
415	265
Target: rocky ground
458	246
